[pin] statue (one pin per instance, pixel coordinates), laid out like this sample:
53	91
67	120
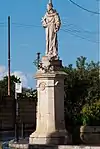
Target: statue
51	22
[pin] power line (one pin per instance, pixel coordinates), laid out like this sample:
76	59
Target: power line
93	12
79	30
24	25
64	25
74	27
2	23
67	23
74	32
81	37
82	33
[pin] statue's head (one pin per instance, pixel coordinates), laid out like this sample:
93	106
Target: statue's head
49	5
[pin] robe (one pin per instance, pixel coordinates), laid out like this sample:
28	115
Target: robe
51	22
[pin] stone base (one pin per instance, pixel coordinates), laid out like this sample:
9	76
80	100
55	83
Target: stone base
90	134
62	147
26	146
47	65
55	138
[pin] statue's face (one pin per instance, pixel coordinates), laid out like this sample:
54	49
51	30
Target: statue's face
49	7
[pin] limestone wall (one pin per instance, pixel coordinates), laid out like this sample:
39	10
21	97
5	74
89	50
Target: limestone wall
27	112
6	113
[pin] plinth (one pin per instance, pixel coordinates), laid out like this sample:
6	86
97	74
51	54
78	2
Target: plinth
50	108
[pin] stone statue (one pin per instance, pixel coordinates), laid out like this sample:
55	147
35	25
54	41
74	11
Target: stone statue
51	22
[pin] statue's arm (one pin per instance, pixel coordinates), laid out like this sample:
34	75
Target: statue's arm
57	22
44	23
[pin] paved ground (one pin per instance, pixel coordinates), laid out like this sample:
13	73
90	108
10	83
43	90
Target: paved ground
7	136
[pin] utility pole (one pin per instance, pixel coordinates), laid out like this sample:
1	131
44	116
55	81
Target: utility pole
38	59
9	92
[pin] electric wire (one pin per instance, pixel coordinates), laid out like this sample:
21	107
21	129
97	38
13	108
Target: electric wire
25	25
81	37
72	31
79	29
90	11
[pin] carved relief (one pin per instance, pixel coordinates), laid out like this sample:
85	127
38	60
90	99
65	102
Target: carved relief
42	86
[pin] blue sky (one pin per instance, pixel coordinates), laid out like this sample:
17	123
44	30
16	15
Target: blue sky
29	38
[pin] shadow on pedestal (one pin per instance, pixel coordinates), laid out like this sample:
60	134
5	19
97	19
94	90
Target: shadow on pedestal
59	138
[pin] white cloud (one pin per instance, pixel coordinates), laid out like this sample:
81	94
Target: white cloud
22	77
2	71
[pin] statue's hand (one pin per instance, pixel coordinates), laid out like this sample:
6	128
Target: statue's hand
44	24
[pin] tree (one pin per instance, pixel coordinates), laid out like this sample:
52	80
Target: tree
29	93
4	85
82	86
91	114
26	93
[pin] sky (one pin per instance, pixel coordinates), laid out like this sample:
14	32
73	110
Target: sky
78	36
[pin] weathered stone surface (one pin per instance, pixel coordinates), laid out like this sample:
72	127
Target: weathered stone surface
47	65
50	110
26	146
51	22
90	134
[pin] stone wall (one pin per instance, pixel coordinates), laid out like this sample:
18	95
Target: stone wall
6	113
27	113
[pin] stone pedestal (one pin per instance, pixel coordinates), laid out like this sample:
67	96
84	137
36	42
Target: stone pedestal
50	109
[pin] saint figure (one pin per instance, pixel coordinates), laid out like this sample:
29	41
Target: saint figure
51	22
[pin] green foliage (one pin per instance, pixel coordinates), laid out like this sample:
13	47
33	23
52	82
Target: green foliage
4	85
82	86
82	90
91	114
26	93
29	93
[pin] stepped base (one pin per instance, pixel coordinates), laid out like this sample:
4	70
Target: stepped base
55	138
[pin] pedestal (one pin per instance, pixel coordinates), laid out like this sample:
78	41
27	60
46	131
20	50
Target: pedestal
50	110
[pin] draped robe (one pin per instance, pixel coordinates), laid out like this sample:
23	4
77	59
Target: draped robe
51	22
